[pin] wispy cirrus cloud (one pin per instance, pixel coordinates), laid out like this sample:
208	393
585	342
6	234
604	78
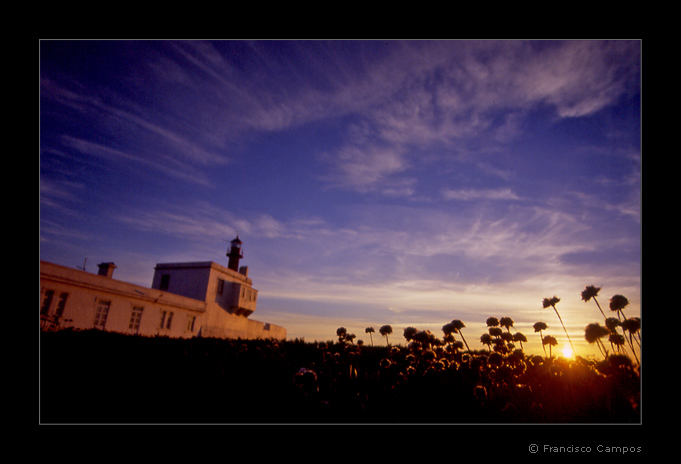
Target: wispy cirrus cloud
479	194
470	89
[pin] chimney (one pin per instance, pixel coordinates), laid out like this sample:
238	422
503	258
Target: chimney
106	269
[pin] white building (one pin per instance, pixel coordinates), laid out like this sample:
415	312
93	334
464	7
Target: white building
185	300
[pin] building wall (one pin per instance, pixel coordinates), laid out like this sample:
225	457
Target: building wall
210	319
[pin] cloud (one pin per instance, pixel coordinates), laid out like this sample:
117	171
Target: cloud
367	168
479	194
440	97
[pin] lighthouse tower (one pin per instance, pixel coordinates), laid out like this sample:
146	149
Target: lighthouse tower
234	254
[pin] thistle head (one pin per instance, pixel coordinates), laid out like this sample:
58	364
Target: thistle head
550	340
550	301
632	325
590	292
595	331
492	321
495	331
448	329
612	323
385	330
506	322
458	325
539	326
618	303
409	333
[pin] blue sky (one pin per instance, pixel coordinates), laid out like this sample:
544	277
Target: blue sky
372	182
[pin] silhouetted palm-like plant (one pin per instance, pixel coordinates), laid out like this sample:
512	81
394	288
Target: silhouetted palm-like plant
458	325
385	331
593	334
551	341
552	302
370	330
590	292
540	327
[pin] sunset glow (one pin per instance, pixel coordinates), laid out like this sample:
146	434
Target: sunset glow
372	182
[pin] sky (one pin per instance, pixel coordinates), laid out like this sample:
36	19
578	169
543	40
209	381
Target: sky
406	183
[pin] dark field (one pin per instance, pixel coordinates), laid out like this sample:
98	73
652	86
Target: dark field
99	377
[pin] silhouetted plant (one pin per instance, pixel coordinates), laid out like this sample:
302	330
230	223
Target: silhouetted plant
593	334
486	339
632	325
409	333
519	337
553	302
551	341
611	323
341	332
506	322
540	327
618	303
492	322
385	331
589	292
617	340
495	331
370	330
458	325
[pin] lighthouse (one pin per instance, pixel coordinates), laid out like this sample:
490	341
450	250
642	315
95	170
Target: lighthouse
234	254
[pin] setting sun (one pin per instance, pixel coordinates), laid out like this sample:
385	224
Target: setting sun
567	352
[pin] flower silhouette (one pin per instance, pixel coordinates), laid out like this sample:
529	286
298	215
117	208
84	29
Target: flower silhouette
409	333
519	337
385	331
551	341
506	322
632	325
540	327
370	330
458	325
492	321
618	303
593	334
553	302
486	339
592	292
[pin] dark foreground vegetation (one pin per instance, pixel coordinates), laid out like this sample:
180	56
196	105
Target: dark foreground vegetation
100	377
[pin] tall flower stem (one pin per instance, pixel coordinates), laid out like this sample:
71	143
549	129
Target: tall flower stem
464	340
599	308
552	302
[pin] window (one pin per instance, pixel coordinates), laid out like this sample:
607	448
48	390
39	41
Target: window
221	286
166	319
135	319
101	313
190	323
165	280
59	312
47	301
